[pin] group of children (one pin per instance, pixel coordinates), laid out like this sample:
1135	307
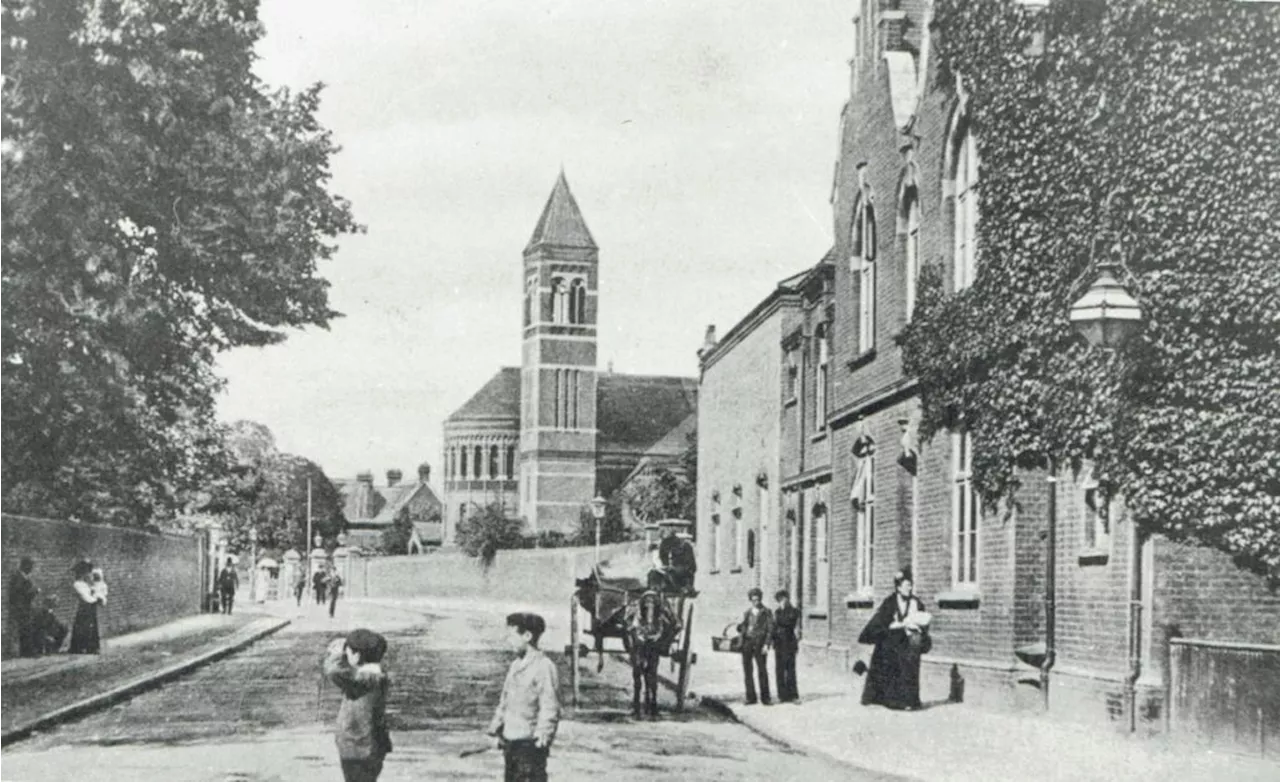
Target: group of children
523	726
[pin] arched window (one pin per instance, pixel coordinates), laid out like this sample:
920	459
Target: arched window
463	472
578	302
511	462
863	497
965	512
965	209
478	462
822	348
493	461
911	253
559	301
530	299
863	266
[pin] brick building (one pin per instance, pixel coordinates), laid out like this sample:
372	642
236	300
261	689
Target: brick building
371	509
540	440
861	496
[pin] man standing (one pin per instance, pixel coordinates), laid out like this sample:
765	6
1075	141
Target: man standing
786	642
317	584
22	598
228	581
334	587
756	631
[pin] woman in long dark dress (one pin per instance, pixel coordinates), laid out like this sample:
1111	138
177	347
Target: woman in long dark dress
894	677
84	630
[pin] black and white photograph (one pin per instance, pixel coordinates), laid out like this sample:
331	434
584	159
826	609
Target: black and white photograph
866	390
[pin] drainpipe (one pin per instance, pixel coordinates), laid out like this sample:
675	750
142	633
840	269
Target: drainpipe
1135	625
1050	584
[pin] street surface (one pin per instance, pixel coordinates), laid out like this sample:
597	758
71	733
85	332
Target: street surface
264	714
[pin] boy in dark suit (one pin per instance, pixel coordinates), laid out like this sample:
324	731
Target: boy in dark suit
786	642
756	631
354	665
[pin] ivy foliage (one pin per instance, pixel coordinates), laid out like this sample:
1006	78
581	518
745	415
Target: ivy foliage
1139	131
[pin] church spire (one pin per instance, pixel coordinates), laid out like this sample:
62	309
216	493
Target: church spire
561	223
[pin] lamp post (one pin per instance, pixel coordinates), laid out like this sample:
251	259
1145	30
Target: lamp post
1106	315
597	511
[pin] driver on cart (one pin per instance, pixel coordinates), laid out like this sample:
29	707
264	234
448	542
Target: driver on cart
676	563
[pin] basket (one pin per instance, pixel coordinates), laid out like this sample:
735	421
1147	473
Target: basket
729	641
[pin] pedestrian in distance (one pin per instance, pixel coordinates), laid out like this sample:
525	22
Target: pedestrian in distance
317	584
354	665
50	632
756	631
300	587
22	602
334	588
900	631
228	582
786	643
524	724
85	638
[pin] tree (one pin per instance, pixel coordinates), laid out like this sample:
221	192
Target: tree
483	533
666	492
267	490
160	205
395	539
1140	131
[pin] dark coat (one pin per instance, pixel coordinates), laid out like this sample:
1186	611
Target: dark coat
786	627
361	729
894	677
755	638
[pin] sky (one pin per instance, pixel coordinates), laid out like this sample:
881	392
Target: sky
698	137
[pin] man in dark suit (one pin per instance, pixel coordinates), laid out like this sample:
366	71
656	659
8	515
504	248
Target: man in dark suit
22	595
786	642
756	631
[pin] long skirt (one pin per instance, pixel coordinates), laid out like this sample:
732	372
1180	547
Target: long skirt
84	631
894	677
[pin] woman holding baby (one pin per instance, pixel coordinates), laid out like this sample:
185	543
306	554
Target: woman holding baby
91	591
900	632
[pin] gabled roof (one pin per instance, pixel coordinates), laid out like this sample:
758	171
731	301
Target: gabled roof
364	503
634	412
399	496
499	398
561	223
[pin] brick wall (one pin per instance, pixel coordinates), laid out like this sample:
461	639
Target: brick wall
1200	593
153	578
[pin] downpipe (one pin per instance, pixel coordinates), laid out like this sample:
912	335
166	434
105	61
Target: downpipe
1135	626
1050	586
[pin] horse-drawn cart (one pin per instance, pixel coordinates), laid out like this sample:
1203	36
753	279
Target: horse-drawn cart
650	623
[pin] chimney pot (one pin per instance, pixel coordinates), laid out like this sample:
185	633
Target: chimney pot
365	477
393	477
424	473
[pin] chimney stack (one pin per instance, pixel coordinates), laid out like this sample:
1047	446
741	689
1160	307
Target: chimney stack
424	473
708	343
365	477
393	477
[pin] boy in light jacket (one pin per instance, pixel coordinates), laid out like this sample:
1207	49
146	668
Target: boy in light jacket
354	665
524	724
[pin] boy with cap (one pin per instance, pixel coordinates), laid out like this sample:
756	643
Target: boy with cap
354	665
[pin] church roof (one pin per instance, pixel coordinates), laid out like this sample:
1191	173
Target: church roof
634	412
499	398
561	223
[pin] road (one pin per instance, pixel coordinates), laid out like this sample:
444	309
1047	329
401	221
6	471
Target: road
263	714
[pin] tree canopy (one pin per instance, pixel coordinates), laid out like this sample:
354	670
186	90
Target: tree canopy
1141	131
161	204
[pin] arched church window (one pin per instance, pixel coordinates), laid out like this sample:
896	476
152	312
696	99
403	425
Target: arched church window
578	302
479	459
559	301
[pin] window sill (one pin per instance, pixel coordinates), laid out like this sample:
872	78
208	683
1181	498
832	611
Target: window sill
862	359
714	572
964	599
735	570
817	614
791	402
819	437
1094	557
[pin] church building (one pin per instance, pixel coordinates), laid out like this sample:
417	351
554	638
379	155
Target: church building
542	439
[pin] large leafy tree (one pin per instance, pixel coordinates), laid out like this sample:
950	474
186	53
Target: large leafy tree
266	490
160	205
1141	131
664	492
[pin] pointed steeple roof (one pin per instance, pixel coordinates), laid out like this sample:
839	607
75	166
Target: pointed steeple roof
561	223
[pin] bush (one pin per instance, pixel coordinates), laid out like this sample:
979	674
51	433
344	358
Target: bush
483	533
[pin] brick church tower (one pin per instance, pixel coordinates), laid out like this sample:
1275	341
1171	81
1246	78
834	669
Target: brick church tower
558	370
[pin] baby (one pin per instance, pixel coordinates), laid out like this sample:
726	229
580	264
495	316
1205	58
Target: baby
99	584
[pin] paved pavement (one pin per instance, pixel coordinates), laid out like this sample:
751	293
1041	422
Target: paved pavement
948	741
38	692
263	714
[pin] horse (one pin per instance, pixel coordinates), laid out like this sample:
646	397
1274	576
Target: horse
650	630
606	600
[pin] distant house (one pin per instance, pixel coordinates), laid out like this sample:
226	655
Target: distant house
371	509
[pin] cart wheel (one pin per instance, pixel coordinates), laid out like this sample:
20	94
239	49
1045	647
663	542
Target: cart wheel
686	660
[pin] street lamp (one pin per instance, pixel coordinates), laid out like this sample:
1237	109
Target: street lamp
1106	315
597	510
253	563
